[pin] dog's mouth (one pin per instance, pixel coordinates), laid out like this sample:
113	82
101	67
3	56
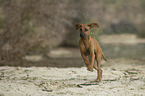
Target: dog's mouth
83	35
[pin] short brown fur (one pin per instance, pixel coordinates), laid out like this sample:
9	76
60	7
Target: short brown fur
90	48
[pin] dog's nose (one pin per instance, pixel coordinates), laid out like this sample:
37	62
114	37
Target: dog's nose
82	35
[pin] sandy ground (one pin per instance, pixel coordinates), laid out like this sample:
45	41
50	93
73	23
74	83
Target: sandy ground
121	77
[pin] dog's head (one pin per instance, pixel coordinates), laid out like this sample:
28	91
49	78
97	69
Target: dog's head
85	28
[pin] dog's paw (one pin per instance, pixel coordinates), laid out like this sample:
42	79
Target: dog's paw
90	69
98	80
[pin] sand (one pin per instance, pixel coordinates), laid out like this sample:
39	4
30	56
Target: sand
121	77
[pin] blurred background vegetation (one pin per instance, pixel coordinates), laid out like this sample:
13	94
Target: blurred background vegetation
38	26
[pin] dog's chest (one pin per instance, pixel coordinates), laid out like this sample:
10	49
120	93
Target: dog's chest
87	52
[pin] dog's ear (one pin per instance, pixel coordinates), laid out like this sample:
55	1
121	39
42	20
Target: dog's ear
93	25
77	26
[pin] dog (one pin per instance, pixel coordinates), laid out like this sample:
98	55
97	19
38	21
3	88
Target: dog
90	48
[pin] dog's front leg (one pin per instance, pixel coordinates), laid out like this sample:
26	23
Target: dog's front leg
91	59
85	60
90	68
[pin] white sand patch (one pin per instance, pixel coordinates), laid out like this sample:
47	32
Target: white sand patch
48	81
121	39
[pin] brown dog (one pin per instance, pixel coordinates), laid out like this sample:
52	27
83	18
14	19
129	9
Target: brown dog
90	48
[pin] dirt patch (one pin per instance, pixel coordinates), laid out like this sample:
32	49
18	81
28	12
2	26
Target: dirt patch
120	78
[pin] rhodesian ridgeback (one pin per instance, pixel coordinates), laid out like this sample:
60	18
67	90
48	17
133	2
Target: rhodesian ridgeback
90	48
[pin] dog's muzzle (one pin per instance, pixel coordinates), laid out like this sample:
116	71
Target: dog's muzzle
83	35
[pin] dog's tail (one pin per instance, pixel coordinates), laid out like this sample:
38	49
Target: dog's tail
104	56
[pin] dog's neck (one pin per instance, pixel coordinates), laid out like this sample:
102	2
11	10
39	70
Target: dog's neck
86	41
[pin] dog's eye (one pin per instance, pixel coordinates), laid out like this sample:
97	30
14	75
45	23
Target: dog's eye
80	29
86	29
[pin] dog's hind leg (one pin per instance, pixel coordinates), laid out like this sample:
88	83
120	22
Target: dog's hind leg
99	70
